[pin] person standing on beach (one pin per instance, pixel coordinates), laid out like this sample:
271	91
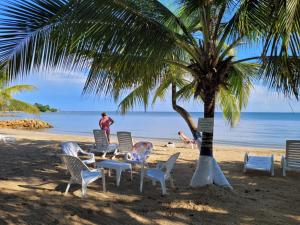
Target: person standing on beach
105	122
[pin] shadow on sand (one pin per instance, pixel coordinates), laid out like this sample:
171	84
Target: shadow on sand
32	181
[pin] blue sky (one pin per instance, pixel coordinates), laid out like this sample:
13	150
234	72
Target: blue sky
63	91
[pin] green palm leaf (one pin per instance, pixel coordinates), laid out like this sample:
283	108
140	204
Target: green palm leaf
17	105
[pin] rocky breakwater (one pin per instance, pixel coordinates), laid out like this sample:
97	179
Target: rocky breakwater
24	124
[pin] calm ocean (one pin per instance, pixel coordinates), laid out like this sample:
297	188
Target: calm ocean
254	129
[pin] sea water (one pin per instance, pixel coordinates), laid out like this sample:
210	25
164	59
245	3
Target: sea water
254	129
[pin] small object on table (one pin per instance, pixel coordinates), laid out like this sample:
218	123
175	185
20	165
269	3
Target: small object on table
119	167
261	163
141	151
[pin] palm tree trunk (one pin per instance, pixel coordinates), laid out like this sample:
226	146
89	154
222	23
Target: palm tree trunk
184	114
208	171
209	112
203	174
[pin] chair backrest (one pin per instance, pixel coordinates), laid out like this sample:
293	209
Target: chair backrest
74	166
125	141
70	148
293	153
101	140
171	162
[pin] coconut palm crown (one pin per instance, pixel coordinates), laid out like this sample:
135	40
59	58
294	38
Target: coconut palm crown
9	103
142	45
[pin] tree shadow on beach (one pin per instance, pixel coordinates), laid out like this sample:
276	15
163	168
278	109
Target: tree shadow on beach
33	181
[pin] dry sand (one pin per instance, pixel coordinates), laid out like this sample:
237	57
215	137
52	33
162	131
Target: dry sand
32	180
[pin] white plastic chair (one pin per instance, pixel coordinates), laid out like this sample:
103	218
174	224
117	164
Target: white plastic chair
133	153
81	174
161	173
187	142
291	161
72	149
7	139
261	163
102	145
125	142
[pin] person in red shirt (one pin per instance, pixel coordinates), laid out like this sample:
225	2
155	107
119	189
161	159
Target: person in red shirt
105	122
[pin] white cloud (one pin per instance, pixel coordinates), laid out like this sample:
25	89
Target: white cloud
264	100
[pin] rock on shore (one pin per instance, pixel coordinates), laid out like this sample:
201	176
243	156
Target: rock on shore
24	124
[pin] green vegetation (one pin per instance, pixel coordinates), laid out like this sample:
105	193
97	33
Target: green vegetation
146	48
45	108
8	103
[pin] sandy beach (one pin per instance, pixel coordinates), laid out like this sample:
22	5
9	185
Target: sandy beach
32	182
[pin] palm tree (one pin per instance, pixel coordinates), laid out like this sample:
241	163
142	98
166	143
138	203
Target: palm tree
8	103
133	44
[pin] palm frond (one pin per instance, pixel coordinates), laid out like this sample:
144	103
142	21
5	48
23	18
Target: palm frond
282	74
138	96
18	88
17	105
25	28
241	77
229	105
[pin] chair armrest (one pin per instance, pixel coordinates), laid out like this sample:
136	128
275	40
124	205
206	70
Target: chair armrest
92	155
160	165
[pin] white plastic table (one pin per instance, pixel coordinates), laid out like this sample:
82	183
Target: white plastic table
119	167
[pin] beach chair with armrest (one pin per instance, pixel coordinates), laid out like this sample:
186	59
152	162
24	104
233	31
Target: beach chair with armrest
161	173
125	142
187	140
261	163
291	161
102	145
81	174
133	153
72	149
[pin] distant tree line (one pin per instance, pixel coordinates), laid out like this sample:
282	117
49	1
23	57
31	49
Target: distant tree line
45	108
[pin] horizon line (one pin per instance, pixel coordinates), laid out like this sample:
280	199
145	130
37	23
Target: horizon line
116	111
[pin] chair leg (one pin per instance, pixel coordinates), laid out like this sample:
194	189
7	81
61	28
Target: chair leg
172	182
141	182
83	190
245	162
104	155
103	180
131	179
115	153
163	187
67	171
283	163
118	175
68	187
